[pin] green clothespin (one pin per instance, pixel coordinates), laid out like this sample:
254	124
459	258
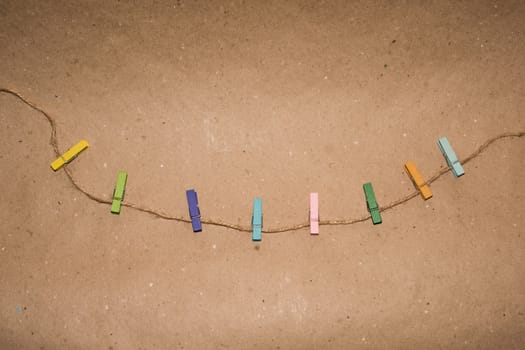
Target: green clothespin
118	193
371	203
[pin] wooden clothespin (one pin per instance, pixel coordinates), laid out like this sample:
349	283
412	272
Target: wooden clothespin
257	220
69	155
118	192
371	203
195	213
314	213
450	156
417	180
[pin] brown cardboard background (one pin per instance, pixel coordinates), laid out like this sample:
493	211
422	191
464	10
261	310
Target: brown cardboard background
241	99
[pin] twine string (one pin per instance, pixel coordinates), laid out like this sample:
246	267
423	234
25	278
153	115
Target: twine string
53	141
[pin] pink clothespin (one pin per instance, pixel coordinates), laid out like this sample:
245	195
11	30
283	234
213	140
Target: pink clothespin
314	213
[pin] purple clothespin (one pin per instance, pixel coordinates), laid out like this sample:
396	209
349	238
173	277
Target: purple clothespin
195	213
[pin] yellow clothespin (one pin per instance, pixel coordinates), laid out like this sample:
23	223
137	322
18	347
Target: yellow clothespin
70	154
417	179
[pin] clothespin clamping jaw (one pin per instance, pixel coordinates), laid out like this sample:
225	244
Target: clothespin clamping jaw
314	213
69	155
450	156
257	220
118	192
371	203
195	213
417	180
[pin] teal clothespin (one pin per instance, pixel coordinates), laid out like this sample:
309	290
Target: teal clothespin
450	156
257	220
371	203
118	193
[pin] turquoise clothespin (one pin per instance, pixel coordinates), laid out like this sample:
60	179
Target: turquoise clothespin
450	156
257	220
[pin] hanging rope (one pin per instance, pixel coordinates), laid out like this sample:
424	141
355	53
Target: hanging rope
214	222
